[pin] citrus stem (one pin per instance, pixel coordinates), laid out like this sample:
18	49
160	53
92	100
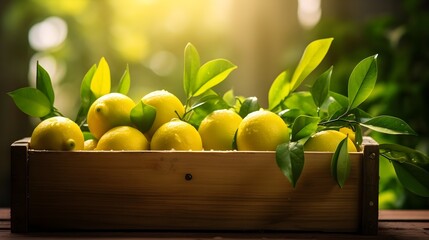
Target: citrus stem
338	120
57	112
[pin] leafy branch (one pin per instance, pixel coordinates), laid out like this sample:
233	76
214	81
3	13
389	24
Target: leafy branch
308	112
198	80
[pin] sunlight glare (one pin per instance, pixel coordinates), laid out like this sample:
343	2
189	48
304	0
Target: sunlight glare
162	63
309	13
47	34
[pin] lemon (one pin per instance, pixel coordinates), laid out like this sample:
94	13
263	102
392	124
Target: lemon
167	105
90	144
327	141
176	135
261	130
57	133
349	132
123	138
109	111
217	129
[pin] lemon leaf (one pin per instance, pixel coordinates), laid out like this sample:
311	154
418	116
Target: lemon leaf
191	65
44	83
207	103
125	82
362	81
401	153
412	177
311	58
290	160
279	90
358	135
304	126
302	100
289	115
143	116
340	163
389	125
86	96
229	98
211	74
320	88
31	101
249	105
87	135
100	83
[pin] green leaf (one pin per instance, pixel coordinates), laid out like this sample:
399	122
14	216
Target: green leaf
403	154
86	96
279	90
342	100
31	101
211	74
191	65
360	115
358	135
229	98
302	100
87	135
125	82
100	84
44	83
289	115
249	105
412	177
362	81
85	87
234	141
304	126
290	159
320	89
340	163
209	102
312	57
143	116
389	125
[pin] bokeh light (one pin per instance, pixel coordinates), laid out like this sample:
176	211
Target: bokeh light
309	13
48	34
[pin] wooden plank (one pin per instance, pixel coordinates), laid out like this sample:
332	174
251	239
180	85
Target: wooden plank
370	178
154	190
414	226
404	215
19	190
5	214
388	230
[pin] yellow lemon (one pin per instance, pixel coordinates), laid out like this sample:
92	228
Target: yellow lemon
217	129
167	105
57	133
90	144
123	138
109	111
261	130
349	132
327	141
176	135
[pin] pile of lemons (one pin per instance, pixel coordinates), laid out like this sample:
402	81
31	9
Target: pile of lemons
109	122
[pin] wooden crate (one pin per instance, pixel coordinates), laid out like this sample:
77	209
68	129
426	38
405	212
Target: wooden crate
181	190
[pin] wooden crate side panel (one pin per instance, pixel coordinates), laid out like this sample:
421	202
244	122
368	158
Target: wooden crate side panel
155	191
370	181
19	190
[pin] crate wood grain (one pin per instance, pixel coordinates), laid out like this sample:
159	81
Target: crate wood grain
181	190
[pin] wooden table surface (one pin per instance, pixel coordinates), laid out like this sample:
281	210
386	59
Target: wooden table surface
393	224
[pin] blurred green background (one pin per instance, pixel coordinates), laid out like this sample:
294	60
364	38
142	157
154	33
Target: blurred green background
262	37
